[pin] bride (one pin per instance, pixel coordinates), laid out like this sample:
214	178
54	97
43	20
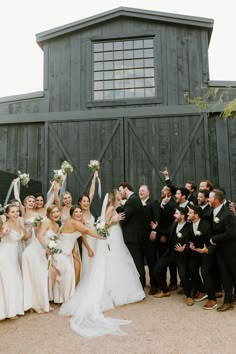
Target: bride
113	280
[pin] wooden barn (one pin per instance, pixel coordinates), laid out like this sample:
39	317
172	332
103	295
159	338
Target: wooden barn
115	89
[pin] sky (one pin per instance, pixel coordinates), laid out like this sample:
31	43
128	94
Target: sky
21	59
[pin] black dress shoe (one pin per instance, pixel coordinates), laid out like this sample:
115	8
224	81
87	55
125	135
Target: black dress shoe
153	291
172	287
225	307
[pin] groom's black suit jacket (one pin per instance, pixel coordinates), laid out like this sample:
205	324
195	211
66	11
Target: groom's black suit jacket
152	212
133	224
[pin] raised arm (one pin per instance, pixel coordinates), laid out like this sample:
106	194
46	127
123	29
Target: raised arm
56	189
17	196
86	230
93	185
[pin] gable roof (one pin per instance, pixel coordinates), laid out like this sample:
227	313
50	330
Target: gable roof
129	12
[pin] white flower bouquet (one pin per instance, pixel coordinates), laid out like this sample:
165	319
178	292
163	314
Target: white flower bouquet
52	246
24	178
36	220
59	176
67	168
94	165
101	228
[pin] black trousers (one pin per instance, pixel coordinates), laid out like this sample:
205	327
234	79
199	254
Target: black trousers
136	251
227	265
151	255
181	261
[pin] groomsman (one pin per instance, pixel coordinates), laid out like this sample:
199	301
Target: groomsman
191	186
203	196
224	237
152	213
132	227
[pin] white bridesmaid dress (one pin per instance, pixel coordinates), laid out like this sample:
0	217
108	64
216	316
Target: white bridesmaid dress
11	285
36	282
64	286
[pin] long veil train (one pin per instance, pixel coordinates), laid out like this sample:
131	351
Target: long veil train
86	305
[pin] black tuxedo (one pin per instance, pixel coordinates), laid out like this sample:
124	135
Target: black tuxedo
192	199
171	256
206	212
152	212
132	227
224	235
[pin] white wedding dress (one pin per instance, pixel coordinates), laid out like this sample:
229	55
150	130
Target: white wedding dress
112	281
86	260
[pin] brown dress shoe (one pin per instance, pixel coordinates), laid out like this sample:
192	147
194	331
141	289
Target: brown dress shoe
210	305
225	307
161	294
200	297
218	294
153	291
189	301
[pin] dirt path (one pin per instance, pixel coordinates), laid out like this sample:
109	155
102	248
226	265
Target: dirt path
158	326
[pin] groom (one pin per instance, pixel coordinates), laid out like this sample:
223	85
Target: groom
132	226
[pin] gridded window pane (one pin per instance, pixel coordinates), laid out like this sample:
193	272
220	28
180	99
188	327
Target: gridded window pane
98	56
98	95
129	93
108	55
108	46
138	63
138	53
149	92
128	44
139	92
108	65
108	85
98	75
149	72
118	45
149	63
149	82
129	83
139	82
128	54
118	55
98	47
119	84
119	94
108	95
148	53
98	66
148	43
98	85
108	75
119	64
124	69
138	44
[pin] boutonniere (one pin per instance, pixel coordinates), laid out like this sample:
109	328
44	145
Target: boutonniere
216	220
123	202
179	235
198	233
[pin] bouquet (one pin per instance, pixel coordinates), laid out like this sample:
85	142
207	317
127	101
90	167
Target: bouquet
36	220
101	228
52	246
67	168
94	165
24	178
59	176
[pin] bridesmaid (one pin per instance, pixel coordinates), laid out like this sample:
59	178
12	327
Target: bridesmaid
40	205
66	203
85	203
11	285
73	229
39	282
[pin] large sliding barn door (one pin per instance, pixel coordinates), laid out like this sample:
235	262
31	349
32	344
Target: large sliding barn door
179	142
80	141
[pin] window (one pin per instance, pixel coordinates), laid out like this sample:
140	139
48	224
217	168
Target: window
123	69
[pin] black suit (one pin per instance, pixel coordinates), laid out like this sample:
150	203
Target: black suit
132	227
171	256
224	235
206	212
152	212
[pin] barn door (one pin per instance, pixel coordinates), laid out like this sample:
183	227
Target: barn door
179	142
80	141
